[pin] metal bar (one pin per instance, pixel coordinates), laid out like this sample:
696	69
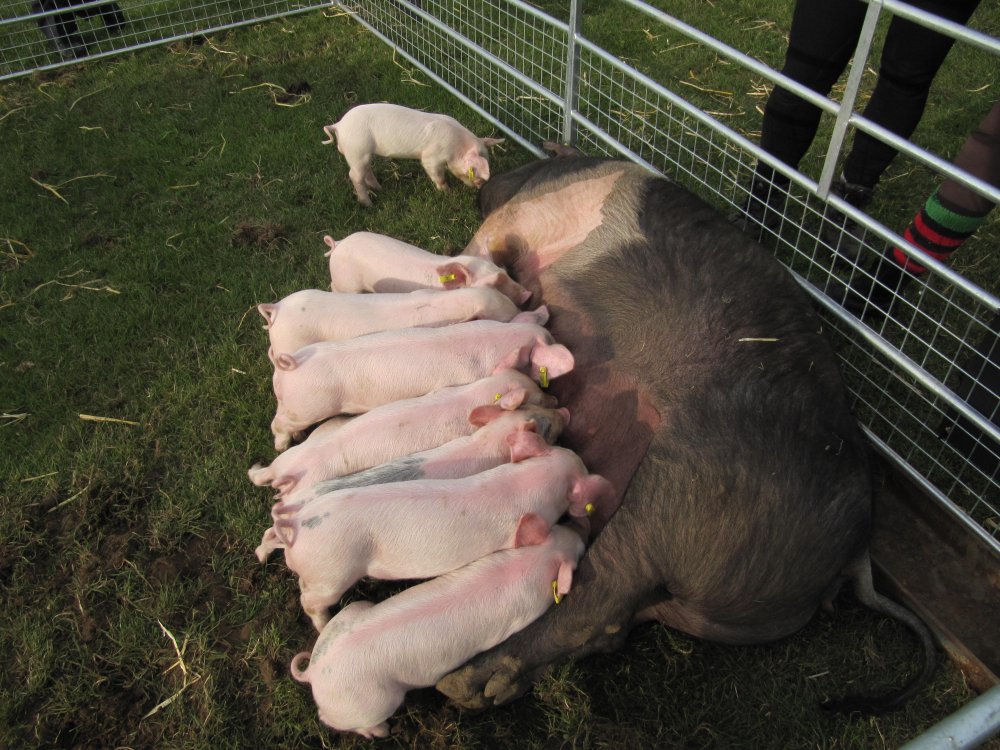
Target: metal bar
933	492
732	53
531	10
464	42
55	12
850	96
165	40
572	69
938	164
894	6
906	364
968	727
603	135
942	25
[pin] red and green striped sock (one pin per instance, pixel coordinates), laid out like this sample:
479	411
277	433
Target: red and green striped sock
936	230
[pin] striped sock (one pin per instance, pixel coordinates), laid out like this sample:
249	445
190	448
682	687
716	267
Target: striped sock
938	231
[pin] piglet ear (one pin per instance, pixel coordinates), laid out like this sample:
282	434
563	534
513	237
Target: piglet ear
564	581
538	316
491	142
530	426
267	311
526	445
485	414
284	484
590	493
555	358
512	399
283	361
531	530
453	275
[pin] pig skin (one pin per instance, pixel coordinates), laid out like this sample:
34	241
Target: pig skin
370	262
342	446
705	391
369	656
311	315
440	142
351	377
428	527
463	456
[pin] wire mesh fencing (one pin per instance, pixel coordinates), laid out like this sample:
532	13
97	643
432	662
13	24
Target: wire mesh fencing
47	34
919	366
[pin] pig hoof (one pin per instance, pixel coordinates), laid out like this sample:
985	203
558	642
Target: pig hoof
504	687
490	682
461	687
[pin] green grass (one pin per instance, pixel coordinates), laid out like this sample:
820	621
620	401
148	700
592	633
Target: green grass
151	200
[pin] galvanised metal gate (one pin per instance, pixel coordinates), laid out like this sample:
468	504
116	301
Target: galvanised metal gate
24	48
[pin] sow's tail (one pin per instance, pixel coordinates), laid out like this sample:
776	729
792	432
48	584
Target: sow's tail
860	571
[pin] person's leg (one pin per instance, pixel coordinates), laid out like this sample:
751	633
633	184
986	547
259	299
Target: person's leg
910	59
820	43
822	38
949	217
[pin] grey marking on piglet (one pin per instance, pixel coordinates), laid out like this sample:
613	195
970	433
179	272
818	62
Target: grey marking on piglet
400	470
313	521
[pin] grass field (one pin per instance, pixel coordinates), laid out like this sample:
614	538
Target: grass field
150	201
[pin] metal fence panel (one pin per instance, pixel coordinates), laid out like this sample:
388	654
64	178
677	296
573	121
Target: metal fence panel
25	46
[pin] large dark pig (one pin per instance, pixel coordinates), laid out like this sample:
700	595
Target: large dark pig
705	391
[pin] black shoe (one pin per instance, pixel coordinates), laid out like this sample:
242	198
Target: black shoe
842	234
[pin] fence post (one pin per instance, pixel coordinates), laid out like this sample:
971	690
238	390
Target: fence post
572	72
850	96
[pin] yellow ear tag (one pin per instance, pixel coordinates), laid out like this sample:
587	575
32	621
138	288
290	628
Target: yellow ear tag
472	174
589	507
446	278
497	397
543	376
555	591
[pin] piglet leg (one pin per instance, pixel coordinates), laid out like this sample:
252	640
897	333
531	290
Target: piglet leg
362	177
435	169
